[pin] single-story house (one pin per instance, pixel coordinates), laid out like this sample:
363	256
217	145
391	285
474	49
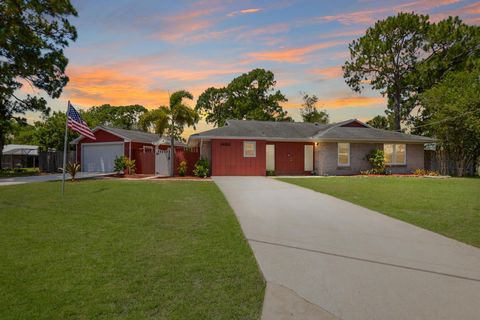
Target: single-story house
99	155
247	147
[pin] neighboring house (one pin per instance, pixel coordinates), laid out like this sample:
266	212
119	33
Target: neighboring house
99	155
19	156
245	147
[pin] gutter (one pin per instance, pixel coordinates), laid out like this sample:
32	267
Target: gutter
312	139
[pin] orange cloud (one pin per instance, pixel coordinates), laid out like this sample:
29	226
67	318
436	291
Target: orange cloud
193	75
469	13
181	26
351	102
244	11
341	102
182	30
98	85
328	73
370	16
292	55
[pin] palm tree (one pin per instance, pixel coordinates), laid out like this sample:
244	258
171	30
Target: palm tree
171	120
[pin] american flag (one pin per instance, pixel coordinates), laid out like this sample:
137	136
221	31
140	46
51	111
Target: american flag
76	123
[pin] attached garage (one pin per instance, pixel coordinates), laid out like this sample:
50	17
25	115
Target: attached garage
99	157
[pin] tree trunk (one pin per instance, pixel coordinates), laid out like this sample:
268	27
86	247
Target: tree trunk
2	143
172	148
396	111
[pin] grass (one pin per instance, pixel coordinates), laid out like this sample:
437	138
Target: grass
447	206
124	250
21	172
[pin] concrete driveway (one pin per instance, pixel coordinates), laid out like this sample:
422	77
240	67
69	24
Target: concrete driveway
325	258
47	177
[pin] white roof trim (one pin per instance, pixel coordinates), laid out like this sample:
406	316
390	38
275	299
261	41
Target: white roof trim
77	140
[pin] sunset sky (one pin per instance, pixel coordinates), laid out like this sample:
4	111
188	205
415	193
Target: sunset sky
134	52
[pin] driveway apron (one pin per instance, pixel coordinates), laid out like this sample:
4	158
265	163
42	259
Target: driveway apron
350	262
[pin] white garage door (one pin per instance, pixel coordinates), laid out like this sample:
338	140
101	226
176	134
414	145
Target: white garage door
99	157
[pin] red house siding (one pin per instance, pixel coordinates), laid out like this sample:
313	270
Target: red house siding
190	156
144	161
228	159
102	136
290	158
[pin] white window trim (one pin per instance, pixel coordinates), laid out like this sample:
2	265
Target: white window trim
254	149
338	155
394	155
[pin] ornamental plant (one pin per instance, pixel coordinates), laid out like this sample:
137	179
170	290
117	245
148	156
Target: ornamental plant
130	166
377	161
119	164
73	168
182	168
201	168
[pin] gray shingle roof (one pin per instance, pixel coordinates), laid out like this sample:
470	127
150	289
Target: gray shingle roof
305	131
134	135
141	136
369	134
264	129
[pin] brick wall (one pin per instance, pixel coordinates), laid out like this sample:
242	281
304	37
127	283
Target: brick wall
326	158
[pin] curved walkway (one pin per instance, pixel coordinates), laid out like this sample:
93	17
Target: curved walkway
348	262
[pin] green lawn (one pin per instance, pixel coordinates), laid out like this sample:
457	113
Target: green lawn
447	206
124	250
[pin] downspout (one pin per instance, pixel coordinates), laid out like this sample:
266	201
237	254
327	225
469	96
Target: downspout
130	150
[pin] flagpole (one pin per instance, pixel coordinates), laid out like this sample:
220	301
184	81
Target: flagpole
65	149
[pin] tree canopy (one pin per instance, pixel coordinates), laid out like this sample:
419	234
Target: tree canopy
49	134
251	96
33	35
454	108
381	122
405	55
123	117
171	120
309	111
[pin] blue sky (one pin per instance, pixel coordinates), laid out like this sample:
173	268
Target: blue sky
131	52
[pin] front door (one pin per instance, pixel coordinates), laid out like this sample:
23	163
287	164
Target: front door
270	156
308	157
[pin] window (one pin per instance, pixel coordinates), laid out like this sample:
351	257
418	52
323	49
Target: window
344	154
249	149
395	154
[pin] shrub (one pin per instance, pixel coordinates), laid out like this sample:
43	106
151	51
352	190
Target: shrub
201	168
423	172
73	168
119	164
374	171
182	168
270	173
377	161
130	166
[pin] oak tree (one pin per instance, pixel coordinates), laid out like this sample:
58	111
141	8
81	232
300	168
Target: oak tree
33	34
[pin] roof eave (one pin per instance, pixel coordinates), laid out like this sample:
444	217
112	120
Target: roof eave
312	139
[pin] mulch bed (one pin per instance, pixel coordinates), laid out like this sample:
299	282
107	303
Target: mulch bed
186	178
152	178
